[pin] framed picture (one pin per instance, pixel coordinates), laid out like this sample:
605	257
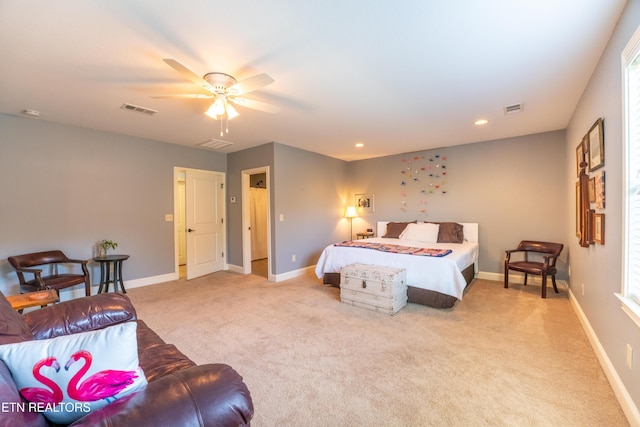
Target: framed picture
599	189
578	209
592	190
365	203
598	233
591	223
596	146
580	152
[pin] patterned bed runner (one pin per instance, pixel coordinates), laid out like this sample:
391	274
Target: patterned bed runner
396	249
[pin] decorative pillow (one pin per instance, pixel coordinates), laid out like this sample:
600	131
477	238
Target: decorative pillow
394	229
68	376
450	232
425	232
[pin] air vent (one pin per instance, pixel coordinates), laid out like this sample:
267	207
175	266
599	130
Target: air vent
138	109
514	108
216	144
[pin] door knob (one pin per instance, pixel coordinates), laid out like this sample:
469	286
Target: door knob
190	230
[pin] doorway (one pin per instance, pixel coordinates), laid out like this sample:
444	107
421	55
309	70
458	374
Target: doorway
199	210
256	234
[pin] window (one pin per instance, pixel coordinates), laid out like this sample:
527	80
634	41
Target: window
631	180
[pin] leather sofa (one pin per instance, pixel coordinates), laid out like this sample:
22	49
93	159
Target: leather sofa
178	393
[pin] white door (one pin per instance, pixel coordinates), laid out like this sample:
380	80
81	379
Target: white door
205	222
181	224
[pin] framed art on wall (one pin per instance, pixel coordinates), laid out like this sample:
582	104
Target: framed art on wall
365	202
598	228
596	146
578	209
580	152
599	189
592	190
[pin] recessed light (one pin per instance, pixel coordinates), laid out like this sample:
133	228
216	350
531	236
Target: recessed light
359	145
481	122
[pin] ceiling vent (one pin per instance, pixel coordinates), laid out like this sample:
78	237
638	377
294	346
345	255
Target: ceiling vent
216	144
138	109
513	109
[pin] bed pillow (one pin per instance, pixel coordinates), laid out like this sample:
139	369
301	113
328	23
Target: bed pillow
69	376
395	229
450	232
425	232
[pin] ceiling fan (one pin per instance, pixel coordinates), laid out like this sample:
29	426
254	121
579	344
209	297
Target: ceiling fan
225	90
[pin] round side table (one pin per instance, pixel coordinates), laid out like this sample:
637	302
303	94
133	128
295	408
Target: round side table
105	272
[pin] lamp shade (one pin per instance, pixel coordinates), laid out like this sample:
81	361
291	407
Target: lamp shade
351	212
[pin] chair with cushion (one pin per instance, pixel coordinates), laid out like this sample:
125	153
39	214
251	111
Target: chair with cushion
544	265
24	264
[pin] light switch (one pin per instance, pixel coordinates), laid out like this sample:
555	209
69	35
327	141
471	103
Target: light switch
281	217
168	217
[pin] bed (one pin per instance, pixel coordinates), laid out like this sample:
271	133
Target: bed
438	281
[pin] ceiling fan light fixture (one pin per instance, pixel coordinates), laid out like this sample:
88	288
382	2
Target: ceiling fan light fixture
211	112
231	112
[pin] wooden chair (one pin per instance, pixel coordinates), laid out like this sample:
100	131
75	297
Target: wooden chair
24	264
546	267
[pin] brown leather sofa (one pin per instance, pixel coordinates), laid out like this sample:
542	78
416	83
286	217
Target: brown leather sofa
179	392
24	264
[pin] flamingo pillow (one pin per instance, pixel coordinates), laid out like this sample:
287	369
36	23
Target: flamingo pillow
68	376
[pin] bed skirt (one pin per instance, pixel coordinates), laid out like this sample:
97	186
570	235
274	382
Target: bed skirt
417	295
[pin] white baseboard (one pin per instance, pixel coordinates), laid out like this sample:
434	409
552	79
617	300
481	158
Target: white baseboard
291	274
276	277
146	281
519	279
626	402
235	268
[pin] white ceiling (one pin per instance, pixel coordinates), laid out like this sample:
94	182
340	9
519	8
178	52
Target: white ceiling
396	76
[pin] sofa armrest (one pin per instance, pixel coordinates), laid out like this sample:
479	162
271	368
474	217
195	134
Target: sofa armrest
80	315
12	411
205	395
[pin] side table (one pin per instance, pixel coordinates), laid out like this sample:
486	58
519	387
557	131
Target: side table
365	235
105	272
33	299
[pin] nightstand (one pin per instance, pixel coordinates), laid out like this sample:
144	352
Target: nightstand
365	235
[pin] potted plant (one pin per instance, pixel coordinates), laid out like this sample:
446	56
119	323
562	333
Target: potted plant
104	246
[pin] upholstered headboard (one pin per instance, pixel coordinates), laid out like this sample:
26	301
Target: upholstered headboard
470	230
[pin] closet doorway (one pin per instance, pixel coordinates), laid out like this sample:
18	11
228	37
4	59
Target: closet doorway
255	219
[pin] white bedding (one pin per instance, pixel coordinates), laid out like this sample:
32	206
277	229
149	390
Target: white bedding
441	274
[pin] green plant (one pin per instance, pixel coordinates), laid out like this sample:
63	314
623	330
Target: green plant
108	244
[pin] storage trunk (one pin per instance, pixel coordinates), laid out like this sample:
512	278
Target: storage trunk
374	287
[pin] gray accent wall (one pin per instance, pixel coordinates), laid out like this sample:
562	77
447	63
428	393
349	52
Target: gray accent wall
310	192
511	187
308	189
257	157
67	188
599	267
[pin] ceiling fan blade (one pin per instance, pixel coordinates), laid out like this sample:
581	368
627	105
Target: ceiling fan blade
250	84
190	75
256	105
185	95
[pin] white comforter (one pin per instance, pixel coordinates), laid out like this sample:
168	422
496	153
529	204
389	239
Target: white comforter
441	274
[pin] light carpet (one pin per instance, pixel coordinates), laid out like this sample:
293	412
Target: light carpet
500	357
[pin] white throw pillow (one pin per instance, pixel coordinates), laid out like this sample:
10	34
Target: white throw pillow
67	377
425	232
